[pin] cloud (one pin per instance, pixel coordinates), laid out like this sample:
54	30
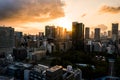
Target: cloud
101	26
109	9
29	30
83	15
30	10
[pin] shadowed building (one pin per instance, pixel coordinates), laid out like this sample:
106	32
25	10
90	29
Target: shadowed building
6	39
115	32
109	34
50	31
87	32
54	73
78	35
18	37
97	34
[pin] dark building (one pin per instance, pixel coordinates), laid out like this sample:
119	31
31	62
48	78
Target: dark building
54	73
109	34
58	33
6	39
97	34
78	35
20	54
35	75
87	33
19	34
17	70
50	31
18	37
115	32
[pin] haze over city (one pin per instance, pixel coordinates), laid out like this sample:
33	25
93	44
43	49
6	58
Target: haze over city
31	16
59	40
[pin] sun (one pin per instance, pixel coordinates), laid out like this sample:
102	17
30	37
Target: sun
66	23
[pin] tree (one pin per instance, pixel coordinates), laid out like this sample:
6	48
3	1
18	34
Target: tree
117	67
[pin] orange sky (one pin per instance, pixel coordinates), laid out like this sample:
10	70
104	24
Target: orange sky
31	16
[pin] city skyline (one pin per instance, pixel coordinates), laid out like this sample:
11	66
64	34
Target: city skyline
31	16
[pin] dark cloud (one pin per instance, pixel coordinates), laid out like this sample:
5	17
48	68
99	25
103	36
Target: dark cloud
83	15
30	10
109	9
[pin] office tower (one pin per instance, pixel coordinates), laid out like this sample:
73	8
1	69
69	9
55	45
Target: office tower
109	34
92	35
97	34
6	38
78	35
41	36
119	36
59	33
50	31
64	34
18	34
115	31
87	33
18	37
119	33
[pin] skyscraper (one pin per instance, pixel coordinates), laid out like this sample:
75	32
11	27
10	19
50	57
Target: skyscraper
59	33
18	37
78	35
109	34
115	31
50	31
6	38
87	32
97	34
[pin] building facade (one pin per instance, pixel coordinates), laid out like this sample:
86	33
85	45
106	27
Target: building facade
78	35
87	32
97	34
18	37
109	34
50	31
115	31
6	38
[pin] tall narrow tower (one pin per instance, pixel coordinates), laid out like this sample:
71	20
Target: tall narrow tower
50	31
97	34
115	31
87	32
78	35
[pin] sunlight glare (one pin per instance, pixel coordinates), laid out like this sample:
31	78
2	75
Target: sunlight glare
64	22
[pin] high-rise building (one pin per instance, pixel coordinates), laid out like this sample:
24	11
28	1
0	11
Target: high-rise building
119	36
6	38
115	31
97	34
18	34
50	31
41	36
78	35
18	37
87	32
92	35
109	34
59	33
